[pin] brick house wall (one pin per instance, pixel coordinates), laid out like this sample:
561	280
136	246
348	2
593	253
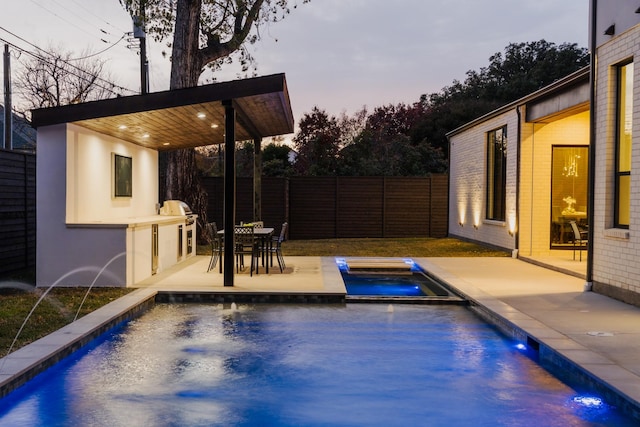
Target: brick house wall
467	207
616	252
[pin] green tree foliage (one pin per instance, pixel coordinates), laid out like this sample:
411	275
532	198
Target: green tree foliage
317	144
275	160
385	147
244	159
521	70
411	139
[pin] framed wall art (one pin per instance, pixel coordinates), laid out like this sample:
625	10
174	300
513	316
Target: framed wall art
122	176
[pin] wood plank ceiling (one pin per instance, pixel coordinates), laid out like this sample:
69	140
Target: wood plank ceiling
185	118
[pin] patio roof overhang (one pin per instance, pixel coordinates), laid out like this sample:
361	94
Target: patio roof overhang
248	109
184	118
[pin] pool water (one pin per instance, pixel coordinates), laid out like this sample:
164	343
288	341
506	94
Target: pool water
392	284
302	365
395	278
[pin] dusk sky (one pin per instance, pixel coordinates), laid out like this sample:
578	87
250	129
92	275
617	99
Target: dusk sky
337	54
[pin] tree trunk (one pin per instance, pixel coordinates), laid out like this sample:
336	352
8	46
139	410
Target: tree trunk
181	178
186	64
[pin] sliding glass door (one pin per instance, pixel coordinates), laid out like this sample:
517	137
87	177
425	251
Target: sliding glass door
568	192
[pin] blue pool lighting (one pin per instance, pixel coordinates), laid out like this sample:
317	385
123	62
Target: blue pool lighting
393	277
589	401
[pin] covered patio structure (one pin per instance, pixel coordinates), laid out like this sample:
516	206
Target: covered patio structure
139	126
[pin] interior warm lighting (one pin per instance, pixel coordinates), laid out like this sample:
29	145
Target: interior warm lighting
166	143
122	127
201	115
214	125
146	135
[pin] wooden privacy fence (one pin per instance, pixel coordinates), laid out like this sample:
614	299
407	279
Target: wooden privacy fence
17	211
314	207
341	207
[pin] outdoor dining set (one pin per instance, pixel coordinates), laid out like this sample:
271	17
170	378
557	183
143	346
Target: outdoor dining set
253	239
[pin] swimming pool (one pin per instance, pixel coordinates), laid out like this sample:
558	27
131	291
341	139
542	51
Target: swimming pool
291	365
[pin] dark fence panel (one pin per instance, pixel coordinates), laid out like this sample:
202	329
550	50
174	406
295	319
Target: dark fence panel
17	211
360	210
407	207
275	203
342	207
275	192
439	213
312	208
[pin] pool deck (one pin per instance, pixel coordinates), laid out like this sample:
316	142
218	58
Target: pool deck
583	333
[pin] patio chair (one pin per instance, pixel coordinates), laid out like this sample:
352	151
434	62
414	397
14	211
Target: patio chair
245	244
217	245
276	247
579	237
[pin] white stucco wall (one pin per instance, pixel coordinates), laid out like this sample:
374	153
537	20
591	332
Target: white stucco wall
81	228
89	182
467	199
69	256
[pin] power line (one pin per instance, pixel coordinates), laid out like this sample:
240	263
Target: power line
66	20
100	51
80	5
111	86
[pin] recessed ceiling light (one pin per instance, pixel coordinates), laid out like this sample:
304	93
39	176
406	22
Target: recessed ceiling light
146	135
214	125
166	143
201	115
122	127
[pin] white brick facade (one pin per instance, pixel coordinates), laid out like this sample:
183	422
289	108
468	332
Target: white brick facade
615	262
616	252
530	218
468	151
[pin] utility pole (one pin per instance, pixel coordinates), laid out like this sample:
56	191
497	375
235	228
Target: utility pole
139	33
8	117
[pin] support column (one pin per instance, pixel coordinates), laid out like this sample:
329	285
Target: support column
229	191
257	179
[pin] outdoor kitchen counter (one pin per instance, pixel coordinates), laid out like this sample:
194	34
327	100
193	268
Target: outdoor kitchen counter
130	222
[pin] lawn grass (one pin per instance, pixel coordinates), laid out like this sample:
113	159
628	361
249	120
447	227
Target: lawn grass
407	247
57	309
60	305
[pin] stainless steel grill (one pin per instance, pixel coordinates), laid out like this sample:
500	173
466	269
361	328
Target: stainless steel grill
177	208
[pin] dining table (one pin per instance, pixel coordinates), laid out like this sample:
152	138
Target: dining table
263	237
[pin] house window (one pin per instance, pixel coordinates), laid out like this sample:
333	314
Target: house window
624	120
569	193
496	174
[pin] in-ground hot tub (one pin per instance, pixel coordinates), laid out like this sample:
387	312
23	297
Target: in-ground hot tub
389	279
